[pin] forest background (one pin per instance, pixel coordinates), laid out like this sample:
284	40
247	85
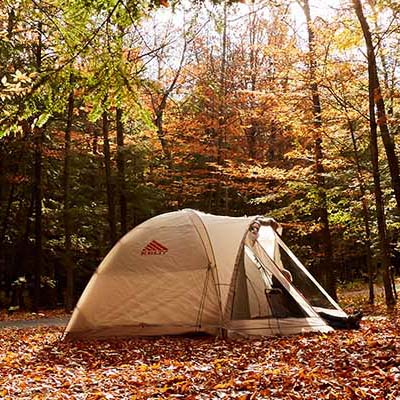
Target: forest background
113	111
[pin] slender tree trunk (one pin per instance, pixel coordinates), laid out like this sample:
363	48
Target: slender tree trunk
220	131
69	266
160	104
4	225
95	142
159	123
221	139
2	168
109	183
380	208
7	212
384	64
381	120
322	211
38	197
366	216
251	134
24	246
375	98
2	192
252	130
121	171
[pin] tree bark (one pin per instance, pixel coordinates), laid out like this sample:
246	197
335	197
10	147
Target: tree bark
221	139
366	216
69	266
322	211
38	197
389	86
4	225
2	168
252	130
121	171
381	120
38	194
109	183
159	123
375	98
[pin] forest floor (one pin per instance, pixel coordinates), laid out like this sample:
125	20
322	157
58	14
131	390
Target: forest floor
347	364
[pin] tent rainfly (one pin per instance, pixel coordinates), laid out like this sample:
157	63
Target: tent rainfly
187	271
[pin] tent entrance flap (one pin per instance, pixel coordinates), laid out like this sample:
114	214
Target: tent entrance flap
305	282
281	303
259	292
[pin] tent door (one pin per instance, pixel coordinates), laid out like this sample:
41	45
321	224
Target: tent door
259	294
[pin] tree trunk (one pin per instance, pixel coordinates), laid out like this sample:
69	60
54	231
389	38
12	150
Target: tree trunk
322	211
366	216
38	197
380	208
95	142
121	171
220	138
4	225
2	168
69	266
251	132
381	121
109	183
221	132
388	83
160	104
158	121
24	241
375	98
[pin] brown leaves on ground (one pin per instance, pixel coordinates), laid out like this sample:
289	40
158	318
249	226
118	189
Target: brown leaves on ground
29	316
363	364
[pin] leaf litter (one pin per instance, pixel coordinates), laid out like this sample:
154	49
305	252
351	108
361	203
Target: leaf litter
362	364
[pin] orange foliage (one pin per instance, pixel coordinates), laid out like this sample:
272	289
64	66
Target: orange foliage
343	365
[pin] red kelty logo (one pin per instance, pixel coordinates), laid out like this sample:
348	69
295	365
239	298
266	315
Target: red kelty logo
153	248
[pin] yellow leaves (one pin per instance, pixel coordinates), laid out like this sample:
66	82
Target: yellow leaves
142	368
20	77
225	385
348	39
275	372
164	389
19	84
323	337
361	393
350	341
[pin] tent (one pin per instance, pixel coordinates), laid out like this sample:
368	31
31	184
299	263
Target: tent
187	271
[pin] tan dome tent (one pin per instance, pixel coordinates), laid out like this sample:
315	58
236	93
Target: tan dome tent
186	271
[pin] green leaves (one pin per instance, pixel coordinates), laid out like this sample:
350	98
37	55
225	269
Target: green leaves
43	118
